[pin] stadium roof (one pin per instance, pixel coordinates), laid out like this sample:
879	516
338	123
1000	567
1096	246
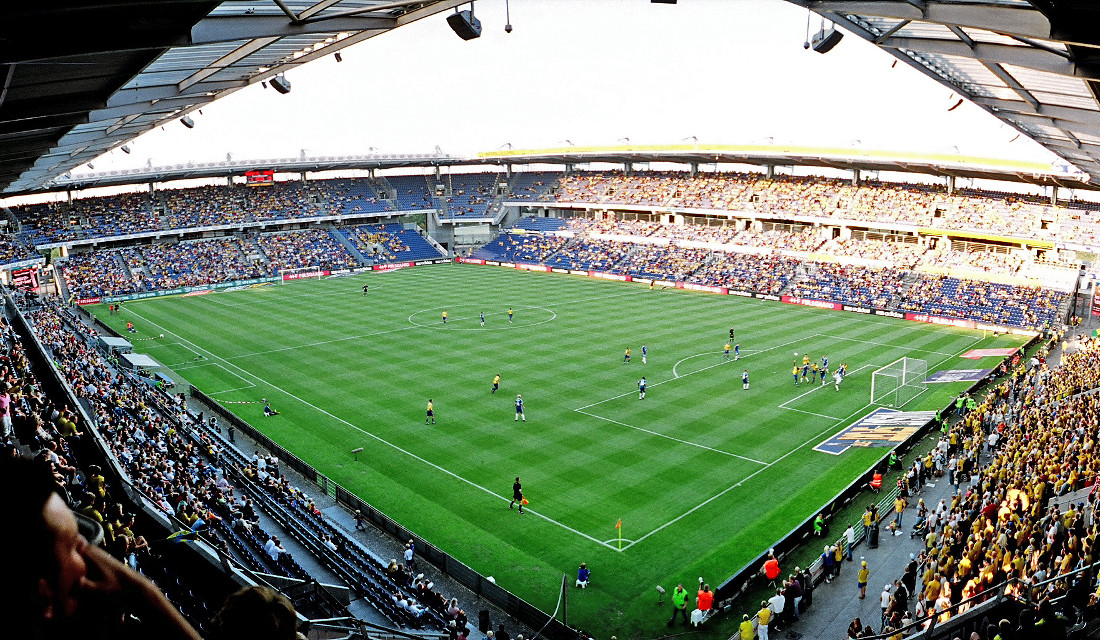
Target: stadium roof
80	78
754	155
1033	64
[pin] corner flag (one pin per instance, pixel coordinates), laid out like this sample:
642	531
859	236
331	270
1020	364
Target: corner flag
619	526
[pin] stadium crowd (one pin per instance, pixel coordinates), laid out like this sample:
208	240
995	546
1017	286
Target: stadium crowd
850	284
781	197
636	247
305	248
1015	459
174	458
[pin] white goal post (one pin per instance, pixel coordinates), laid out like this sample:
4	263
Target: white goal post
300	273
899	382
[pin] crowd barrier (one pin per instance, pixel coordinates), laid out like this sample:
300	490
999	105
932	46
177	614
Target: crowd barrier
510	603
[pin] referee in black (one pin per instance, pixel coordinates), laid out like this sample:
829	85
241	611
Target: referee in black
517	495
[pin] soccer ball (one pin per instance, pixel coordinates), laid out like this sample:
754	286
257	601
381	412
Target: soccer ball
795	353
162	335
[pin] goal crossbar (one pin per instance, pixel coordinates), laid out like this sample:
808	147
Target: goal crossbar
899	382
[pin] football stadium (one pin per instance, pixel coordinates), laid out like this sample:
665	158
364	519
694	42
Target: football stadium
575	385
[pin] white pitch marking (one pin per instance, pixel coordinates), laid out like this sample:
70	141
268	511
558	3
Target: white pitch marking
378	438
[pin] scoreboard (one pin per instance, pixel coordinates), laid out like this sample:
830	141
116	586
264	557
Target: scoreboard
25	279
259	177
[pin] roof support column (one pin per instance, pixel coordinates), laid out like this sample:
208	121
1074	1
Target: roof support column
769	171
855	177
950	185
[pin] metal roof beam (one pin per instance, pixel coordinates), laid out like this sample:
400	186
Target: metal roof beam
161	91
1091	128
1009	20
1026	57
168	105
247	27
1006	77
1072	114
225	61
891	31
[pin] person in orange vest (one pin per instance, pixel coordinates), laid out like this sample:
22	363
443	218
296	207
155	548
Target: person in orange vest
771	567
876	482
704	600
130	326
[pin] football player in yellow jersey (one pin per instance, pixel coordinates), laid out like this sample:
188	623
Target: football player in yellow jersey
794	371
431	412
626	356
510	313
444	317
727	351
496	383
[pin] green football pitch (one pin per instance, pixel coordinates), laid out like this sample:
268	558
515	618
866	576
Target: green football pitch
703	474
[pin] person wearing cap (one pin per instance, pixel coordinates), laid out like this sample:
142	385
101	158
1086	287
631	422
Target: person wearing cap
747	632
864	573
763	619
359	520
884	601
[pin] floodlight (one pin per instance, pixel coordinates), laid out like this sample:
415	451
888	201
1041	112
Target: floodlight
280	84
464	24
125	149
188	122
824	41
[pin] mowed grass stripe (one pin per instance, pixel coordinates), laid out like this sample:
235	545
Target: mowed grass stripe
579	470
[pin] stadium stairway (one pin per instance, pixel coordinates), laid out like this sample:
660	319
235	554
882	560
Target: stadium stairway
341	236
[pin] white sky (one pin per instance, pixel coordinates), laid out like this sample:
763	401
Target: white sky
593	72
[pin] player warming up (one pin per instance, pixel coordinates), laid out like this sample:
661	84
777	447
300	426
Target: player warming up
510	314
519	408
444	317
517	495
483	318
496	383
431	412
641	388
745	379
626	356
645	352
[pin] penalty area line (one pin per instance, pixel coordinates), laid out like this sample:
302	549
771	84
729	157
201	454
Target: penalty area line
373	436
674	439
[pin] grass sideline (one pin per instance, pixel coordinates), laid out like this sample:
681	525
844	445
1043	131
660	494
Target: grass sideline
703	474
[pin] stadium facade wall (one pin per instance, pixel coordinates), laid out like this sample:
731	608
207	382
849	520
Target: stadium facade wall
807	302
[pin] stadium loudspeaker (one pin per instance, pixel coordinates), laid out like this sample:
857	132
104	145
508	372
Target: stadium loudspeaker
187	122
465	25
280	84
824	41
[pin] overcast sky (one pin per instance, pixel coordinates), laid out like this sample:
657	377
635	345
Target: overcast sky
593	72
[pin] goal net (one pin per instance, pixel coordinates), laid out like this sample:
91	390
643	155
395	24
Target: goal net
896	384
300	273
